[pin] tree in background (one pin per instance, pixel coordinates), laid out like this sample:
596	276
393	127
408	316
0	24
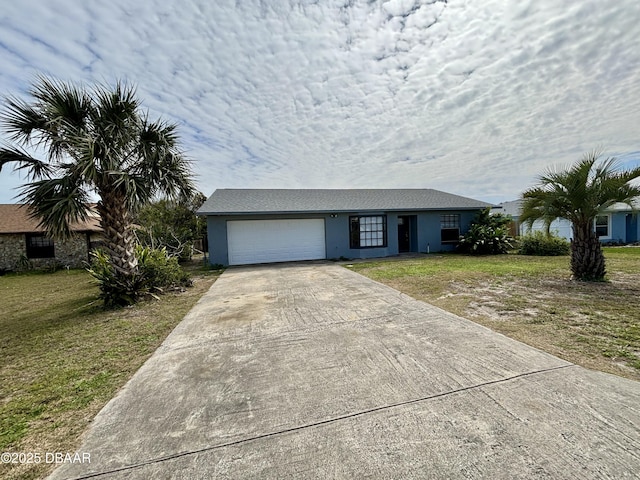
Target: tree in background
579	193
172	225
99	142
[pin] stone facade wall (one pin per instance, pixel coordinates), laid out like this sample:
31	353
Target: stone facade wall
73	253
12	247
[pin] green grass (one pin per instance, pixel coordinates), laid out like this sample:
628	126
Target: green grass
532	299
62	357
500	265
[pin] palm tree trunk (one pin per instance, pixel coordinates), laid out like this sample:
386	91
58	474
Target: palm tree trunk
587	259
115	220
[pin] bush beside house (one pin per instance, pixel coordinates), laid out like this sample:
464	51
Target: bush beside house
487	235
538	243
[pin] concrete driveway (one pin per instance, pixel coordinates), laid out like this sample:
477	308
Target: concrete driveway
313	371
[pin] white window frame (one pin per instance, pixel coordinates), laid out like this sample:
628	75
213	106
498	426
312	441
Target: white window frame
450	222
595	226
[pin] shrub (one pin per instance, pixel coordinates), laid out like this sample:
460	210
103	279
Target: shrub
159	270
539	243
172	224
116	290
487	234
156	271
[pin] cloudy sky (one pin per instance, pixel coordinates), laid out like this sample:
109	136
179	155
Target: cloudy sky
472	97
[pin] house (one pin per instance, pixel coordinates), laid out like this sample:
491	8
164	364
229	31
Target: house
617	224
23	243
511	209
247	226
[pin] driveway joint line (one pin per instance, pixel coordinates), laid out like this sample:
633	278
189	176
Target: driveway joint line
319	423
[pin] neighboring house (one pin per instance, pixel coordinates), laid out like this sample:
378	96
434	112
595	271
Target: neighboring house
248	226
617	224
25	244
511	209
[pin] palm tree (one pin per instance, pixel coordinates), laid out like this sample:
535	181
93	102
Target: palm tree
580	193
96	142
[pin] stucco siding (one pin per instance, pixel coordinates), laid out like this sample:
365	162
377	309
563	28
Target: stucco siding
618	227
429	234
217	239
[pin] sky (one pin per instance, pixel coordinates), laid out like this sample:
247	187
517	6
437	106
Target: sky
471	97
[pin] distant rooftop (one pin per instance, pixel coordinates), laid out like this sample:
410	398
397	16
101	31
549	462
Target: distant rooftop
246	201
510	208
15	218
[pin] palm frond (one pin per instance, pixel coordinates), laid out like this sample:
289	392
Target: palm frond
116	112
65	108
539	205
56	203
21	120
35	168
157	154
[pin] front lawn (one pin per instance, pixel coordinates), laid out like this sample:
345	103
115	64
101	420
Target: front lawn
532	299
62	357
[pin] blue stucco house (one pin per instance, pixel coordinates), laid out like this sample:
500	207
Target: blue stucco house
248	226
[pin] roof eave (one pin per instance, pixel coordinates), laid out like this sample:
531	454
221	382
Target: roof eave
350	210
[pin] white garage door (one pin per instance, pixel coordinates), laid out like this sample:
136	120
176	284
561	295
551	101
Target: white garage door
265	241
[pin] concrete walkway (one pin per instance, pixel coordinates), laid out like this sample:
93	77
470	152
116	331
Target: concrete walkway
313	371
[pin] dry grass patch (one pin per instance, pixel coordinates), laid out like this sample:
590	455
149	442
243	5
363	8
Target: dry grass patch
533	300
62	357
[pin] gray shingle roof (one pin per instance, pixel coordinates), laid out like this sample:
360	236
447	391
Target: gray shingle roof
246	201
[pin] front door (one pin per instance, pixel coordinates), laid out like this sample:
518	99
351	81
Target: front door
632	228
404	234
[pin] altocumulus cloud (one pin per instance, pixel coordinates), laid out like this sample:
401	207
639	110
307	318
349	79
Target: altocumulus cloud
475	98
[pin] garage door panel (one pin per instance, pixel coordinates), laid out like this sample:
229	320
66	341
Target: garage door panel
265	241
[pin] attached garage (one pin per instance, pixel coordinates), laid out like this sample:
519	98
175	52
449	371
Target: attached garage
282	240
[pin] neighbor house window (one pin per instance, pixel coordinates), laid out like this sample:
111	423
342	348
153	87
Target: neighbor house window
368	231
39	246
449	228
602	226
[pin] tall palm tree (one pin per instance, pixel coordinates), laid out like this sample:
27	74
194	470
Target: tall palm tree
580	193
96	142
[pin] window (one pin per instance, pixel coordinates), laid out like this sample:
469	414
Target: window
602	226
39	246
368	232
449	228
